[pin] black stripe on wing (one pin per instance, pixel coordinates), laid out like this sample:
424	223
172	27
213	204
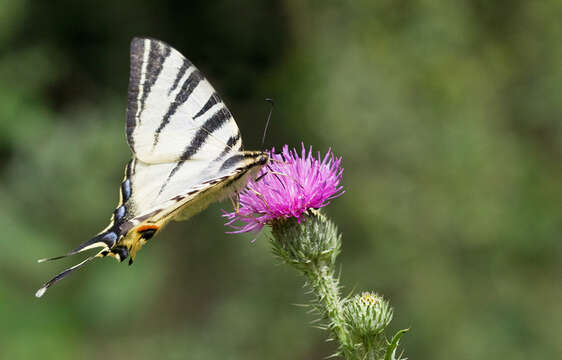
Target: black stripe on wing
183	95
181	72
230	143
137	51
218	119
155	55
213	100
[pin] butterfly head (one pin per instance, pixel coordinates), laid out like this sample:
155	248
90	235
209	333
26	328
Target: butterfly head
256	160
262	159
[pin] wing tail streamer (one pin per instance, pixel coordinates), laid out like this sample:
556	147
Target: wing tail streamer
104	240
65	273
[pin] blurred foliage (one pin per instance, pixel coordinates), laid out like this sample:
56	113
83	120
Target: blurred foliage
447	114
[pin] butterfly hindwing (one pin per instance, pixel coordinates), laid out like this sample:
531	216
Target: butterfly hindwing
219	179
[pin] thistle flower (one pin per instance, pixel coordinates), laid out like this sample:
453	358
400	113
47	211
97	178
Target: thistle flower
290	185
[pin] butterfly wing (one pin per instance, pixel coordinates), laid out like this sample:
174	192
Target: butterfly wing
216	180
178	128
173	113
154	184
185	196
186	152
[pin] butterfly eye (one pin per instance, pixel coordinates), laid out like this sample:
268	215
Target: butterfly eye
263	159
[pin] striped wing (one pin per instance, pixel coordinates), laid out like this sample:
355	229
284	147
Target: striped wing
153	185
218	180
173	113
178	128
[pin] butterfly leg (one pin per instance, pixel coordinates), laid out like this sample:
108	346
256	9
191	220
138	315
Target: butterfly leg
235	199
276	174
260	196
261	176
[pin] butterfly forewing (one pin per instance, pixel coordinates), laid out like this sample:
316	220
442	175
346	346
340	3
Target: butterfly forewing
173	112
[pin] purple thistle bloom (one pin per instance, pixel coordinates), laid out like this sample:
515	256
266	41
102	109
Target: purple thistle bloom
292	184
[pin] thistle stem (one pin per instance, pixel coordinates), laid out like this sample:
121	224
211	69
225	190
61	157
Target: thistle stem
325	286
312	247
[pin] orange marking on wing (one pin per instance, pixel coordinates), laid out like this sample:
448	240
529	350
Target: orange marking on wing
147	227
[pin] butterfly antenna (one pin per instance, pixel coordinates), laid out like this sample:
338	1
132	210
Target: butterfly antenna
64	274
270	101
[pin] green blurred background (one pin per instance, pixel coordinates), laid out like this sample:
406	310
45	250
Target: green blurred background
448	117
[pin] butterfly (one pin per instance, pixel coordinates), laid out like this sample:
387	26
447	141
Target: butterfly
186	153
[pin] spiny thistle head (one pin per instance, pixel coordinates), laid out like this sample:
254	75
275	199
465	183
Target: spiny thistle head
287	188
367	315
314	240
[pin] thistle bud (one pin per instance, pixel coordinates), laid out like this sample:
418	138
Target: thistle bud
367	314
315	240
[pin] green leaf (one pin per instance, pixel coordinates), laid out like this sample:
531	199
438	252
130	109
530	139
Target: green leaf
391	348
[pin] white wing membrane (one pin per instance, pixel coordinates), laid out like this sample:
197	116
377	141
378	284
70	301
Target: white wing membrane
155	184
170	99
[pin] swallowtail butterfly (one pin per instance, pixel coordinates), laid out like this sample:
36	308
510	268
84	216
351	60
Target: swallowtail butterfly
187	153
